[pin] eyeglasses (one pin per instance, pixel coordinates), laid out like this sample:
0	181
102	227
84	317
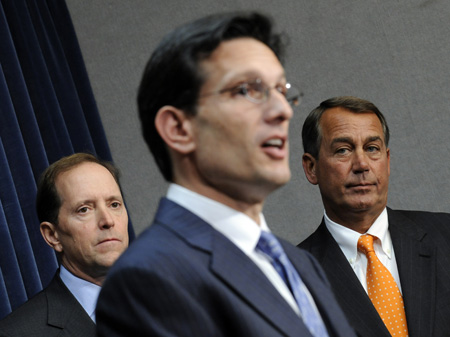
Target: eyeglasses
257	91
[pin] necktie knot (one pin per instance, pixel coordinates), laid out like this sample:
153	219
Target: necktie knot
365	243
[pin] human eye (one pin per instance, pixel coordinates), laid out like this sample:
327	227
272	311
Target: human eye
282	89
257	89
253	90
116	204
82	210
342	151
373	151
373	148
241	89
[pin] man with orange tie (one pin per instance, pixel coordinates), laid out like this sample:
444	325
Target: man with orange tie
388	268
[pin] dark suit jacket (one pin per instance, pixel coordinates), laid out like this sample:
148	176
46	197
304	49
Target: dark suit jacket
181	277
52	312
422	249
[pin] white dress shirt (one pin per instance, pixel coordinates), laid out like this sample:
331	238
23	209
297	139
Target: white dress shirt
85	292
238	228
347	240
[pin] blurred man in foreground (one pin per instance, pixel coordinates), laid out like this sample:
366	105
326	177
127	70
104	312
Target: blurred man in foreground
214	106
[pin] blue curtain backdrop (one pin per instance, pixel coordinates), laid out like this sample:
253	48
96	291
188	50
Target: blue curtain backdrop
47	111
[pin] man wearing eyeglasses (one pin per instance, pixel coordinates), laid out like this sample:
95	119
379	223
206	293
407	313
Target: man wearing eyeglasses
214	107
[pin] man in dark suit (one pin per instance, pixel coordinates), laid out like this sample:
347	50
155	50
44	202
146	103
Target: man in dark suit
83	218
214	107
345	142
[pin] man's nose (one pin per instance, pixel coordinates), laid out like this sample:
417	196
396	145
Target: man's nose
105	218
360	161
279	107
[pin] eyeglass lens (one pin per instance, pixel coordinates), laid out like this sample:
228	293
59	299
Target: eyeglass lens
258	91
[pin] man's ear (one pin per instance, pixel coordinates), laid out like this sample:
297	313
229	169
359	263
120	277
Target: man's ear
388	154
175	128
50	235
309	166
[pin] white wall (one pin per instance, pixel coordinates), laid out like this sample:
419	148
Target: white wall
393	53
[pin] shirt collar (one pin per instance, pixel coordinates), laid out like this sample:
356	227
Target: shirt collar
235	225
85	292
380	230
347	238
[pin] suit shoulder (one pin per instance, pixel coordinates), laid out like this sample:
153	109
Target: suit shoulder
432	222
306	244
26	318
308	259
48	313
415	214
314	239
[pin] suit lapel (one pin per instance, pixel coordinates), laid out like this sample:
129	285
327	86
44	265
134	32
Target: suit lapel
416	262
233	268
248	281
348	290
64	311
315	280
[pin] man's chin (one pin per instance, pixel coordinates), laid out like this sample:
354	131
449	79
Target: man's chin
279	177
363	205
107	260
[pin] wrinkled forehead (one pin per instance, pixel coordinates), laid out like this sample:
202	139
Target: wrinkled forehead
341	122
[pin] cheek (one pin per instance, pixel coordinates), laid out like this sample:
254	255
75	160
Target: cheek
225	124
82	235
222	145
383	172
333	172
122	222
75	246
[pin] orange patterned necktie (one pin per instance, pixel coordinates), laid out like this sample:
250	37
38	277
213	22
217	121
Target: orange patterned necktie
383	290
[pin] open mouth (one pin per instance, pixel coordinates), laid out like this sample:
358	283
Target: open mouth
274	142
276	148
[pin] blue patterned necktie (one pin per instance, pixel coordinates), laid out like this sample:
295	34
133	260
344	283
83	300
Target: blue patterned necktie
269	245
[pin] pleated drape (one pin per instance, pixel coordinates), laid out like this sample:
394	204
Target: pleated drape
47	111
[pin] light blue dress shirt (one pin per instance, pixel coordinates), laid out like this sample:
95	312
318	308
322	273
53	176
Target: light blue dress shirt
85	292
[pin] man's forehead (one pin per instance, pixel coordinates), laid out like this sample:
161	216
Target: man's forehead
341	116
83	175
339	124
242	58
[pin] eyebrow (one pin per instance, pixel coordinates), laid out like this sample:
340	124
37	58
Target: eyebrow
349	140
341	140
251	74
373	139
92	201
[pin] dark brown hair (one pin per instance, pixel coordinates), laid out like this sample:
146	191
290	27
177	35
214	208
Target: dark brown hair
173	75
